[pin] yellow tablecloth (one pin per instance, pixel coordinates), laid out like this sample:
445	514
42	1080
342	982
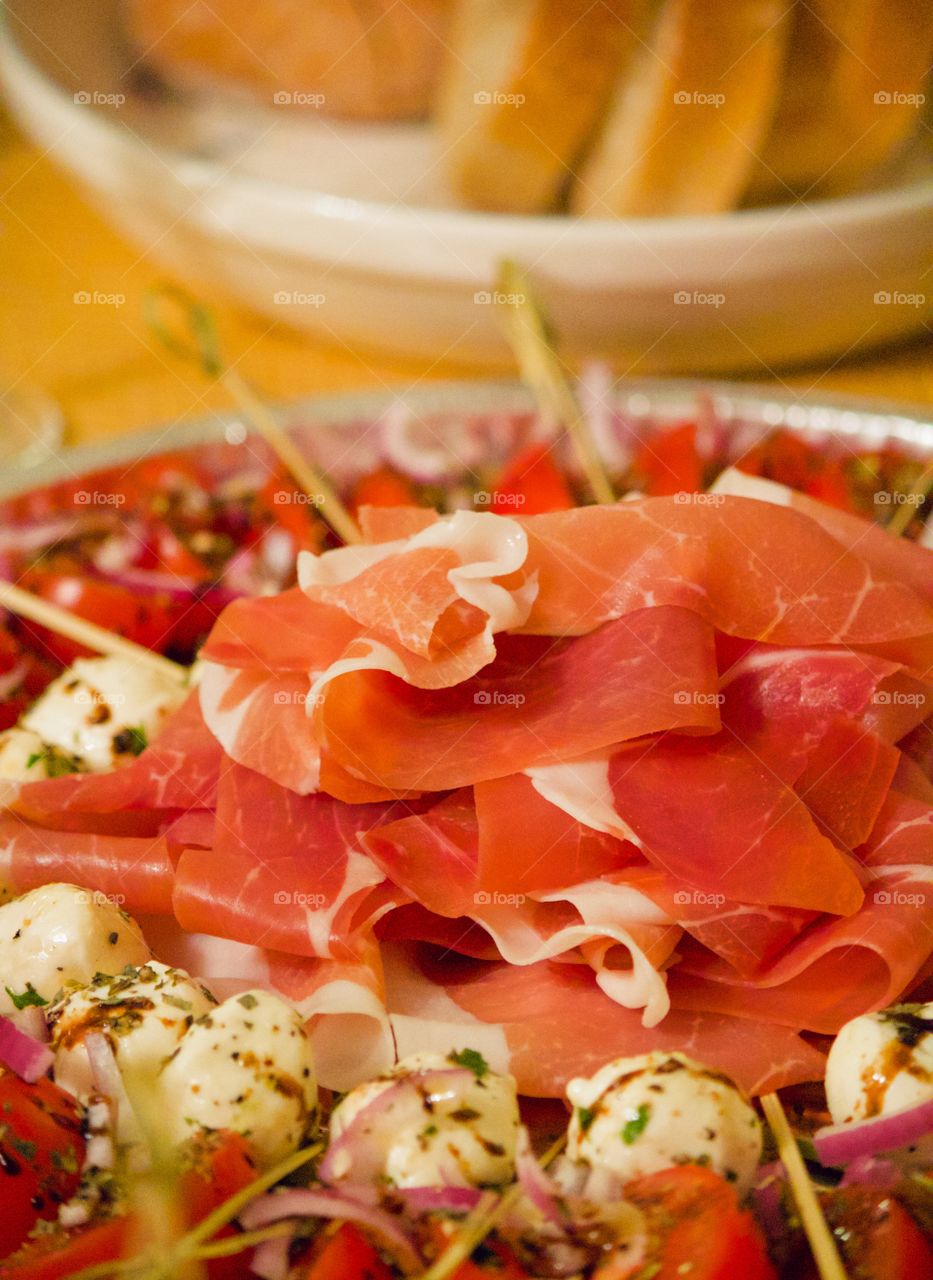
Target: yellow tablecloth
109	376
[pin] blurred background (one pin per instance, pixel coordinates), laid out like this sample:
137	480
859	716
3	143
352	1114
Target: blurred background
695	187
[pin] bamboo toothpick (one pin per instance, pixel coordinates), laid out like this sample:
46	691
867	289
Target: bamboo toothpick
527	331
89	634
905	511
203	347
820	1238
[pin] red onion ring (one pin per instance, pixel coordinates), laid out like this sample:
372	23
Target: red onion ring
841	1143
25	1056
419	1200
867	1171
270	1259
538	1186
326	1203
356	1155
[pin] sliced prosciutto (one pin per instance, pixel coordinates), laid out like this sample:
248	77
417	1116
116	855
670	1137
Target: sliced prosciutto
540	699
548	1022
284	872
839	968
177	771
750	568
711	814
134	872
897	558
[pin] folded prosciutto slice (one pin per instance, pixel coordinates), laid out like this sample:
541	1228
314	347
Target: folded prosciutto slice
556	788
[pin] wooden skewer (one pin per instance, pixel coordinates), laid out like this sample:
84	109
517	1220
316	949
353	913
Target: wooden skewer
205	350
527	332
822	1244
89	634
905	511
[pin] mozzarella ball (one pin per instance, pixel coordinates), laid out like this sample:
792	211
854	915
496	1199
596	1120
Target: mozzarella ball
61	934
143	1012
247	1066
639	1115
461	1132
24	757
881	1062
103	711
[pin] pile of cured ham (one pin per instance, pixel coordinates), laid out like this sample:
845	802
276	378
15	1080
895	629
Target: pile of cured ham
559	788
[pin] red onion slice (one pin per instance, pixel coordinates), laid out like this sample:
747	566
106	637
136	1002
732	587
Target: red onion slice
326	1203
867	1171
840	1143
270	1259
358	1154
428	452
419	1200
25	1056
538	1186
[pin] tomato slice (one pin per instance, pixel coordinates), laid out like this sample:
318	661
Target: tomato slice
149	620
219	1164
383	487
668	462
878	1238
62	1254
344	1255
532	483
493	1260
41	1153
696	1227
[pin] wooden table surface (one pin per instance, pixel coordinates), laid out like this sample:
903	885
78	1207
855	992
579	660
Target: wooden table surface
109	376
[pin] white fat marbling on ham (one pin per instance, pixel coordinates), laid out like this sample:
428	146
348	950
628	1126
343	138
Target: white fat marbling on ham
489	547
581	789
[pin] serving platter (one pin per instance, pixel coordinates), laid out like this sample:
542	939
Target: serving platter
419	1063
327	226
341	432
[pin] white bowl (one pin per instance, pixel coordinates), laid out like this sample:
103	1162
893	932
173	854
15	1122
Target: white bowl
348	232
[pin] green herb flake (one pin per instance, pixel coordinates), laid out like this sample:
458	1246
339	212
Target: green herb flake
26	998
177	1002
248	1001
635	1127
131	741
472	1060
585	1117
27	1150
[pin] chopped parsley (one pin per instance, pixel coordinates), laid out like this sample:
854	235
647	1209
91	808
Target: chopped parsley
248	1001
26	998
56	764
585	1117
472	1060
131	741
635	1127
177	1002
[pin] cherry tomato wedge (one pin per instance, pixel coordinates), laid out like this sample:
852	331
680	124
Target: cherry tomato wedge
493	1260
383	487
878	1238
61	1254
219	1165
696	1227
344	1255
532	483
669	463
41	1153
147	620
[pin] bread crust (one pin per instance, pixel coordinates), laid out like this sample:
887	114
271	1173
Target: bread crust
368	59
830	130
524	89
689	114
